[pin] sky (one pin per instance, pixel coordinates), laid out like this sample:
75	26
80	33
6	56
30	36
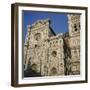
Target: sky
58	20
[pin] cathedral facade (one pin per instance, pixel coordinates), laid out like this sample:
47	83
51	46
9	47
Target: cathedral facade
53	55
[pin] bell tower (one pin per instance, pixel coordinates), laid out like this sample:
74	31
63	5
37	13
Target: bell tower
74	42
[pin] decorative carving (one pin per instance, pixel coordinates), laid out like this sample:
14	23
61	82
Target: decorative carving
34	67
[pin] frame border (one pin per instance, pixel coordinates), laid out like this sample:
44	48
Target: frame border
14	43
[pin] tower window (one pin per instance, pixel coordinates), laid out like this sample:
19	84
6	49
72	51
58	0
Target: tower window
75	27
79	25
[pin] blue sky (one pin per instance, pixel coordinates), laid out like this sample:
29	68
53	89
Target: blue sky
58	20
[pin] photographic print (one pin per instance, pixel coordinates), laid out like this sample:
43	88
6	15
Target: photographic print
51	44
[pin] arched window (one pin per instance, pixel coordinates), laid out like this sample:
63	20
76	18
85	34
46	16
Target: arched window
53	71
37	36
54	53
